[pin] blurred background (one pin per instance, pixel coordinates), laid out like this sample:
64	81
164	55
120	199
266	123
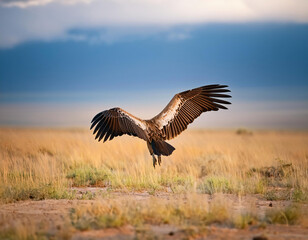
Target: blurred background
62	61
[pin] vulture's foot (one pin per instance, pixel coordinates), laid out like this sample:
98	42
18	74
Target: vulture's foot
154	160
159	160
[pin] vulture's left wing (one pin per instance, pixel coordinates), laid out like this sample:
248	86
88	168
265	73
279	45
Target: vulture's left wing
186	106
116	122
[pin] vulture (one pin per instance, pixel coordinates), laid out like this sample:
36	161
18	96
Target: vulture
182	110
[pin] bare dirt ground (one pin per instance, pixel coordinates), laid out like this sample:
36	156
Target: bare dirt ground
55	215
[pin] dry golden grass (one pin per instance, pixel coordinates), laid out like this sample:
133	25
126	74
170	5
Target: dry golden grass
44	163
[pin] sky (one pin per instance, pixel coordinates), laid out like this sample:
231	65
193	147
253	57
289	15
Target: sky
62	61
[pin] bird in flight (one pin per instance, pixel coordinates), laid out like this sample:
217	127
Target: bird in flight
182	110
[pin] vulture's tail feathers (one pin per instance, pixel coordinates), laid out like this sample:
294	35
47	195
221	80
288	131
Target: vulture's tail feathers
162	148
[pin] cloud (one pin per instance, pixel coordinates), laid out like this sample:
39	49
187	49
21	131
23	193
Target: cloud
31	3
110	35
46	20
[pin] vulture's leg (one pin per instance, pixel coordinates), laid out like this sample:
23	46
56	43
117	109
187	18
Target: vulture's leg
152	153
150	148
159	159
154	160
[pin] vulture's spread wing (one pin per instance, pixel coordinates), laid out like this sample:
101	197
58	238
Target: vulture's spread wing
116	122
186	106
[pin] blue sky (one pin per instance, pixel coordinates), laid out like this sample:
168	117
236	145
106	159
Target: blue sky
63	61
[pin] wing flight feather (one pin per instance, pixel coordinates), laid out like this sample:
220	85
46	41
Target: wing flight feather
186	106
116	122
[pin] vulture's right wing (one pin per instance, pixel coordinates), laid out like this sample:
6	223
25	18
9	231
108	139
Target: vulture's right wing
186	106
116	122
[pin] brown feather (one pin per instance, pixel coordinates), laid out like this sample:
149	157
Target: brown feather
116	122
186	106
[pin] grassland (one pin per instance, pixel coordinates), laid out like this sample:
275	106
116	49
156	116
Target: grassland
39	164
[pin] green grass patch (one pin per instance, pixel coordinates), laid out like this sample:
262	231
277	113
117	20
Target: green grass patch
299	195
43	191
215	184
89	176
177	184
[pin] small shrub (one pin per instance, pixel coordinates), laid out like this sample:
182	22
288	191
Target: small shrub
96	217
212	185
244	220
218	213
243	131
299	195
46	151
89	176
289	215
278	172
